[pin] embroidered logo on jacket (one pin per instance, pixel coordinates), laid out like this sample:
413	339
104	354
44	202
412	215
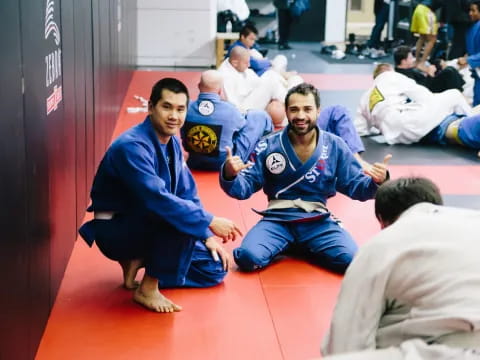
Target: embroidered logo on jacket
206	107
276	163
203	139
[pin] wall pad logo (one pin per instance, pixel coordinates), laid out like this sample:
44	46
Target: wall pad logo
51	26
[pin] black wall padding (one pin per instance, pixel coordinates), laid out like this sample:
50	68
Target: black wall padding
63	79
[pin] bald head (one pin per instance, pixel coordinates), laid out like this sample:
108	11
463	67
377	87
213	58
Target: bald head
239	58
210	81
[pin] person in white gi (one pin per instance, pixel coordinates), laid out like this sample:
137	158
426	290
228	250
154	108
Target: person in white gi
246	90
413	291
403	111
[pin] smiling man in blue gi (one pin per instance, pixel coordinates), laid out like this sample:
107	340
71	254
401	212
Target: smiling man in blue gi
299	168
146	209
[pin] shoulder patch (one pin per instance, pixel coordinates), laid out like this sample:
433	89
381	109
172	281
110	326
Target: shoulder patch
375	97
275	163
206	107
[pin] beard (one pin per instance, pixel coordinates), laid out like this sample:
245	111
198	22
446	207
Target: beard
302	130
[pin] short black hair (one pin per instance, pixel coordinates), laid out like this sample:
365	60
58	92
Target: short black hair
395	196
401	53
303	89
477	3
248	29
174	85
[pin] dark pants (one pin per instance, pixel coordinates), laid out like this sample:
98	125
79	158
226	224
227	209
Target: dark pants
448	78
285	20
458	47
381	18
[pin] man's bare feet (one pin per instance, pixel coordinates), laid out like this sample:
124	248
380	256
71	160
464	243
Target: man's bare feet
130	269
148	295
156	302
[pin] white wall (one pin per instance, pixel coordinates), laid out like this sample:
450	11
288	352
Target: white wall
335	22
176	33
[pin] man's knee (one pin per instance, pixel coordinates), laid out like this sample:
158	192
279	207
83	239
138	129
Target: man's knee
247	260
337	262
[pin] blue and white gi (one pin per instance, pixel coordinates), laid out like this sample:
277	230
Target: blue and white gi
158	215
212	124
256	64
473	59
283	176
337	120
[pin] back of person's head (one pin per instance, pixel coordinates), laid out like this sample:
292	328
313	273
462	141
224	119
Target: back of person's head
171	84
381	68
239	58
248	29
211	81
401	53
303	89
395	196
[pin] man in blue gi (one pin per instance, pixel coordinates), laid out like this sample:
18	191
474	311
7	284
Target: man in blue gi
299	168
473	50
212	124
146	209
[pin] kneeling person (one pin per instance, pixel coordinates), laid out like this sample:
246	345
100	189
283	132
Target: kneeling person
299	168
212	124
146	209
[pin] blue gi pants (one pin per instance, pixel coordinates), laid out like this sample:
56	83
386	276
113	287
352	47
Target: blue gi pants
476	92
172	257
468	131
323	241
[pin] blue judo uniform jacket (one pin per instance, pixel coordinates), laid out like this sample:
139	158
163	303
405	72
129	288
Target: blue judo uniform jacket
282	175
140	176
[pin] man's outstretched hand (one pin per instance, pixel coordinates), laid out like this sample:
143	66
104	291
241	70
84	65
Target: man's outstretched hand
225	229
233	165
378	171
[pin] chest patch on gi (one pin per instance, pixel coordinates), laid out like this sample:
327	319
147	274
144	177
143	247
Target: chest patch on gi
276	163
206	107
375	97
203	139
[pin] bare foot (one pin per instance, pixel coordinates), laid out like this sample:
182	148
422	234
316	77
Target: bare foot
130	269
155	301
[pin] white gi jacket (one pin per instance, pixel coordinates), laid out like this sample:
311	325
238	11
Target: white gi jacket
248	91
418	278
403	110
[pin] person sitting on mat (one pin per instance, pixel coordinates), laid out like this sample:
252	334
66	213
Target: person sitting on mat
405	112
212	124
414	285
299	168
146	209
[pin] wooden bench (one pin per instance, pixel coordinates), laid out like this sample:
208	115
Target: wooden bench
220	44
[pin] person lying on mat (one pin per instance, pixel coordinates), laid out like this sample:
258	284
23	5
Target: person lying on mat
146	209
299	168
414	285
405	112
246	90
212	124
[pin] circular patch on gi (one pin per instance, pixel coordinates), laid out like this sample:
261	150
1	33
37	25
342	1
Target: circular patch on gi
202	139
276	163
206	107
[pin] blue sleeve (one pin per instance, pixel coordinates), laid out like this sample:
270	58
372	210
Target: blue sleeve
248	182
474	60
259	65
337	120
351	179
134	162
